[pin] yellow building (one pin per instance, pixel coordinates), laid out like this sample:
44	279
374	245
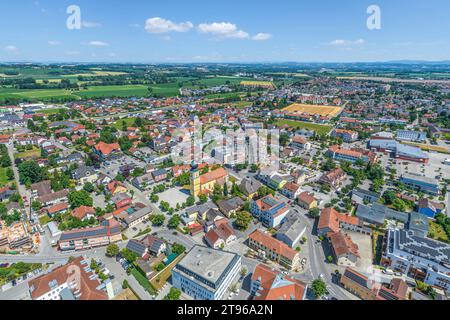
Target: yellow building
203	184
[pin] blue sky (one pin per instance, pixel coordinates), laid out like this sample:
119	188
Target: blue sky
224	31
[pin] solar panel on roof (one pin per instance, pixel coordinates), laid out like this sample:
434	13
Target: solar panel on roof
356	278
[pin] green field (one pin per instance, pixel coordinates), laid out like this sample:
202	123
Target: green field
318	128
437	232
28	154
119	123
3	177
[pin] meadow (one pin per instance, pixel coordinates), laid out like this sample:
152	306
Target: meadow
318	128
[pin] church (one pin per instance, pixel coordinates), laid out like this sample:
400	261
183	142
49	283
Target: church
204	184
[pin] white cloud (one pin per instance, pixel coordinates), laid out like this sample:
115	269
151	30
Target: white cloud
11	48
160	25
223	30
262	37
97	43
340	42
54	43
90	24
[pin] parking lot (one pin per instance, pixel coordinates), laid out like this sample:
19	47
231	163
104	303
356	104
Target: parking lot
174	196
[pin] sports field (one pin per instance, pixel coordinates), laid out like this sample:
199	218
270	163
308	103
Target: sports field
324	111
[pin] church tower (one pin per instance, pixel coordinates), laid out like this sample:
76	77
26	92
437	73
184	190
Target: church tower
195	180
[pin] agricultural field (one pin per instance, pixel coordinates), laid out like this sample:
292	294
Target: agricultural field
257	84
324	111
318	128
428	147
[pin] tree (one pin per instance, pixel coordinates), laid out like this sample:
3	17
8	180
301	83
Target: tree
225	190
157	219
319	288
174	221
80	198
178	248
190	201
129	255
174	294
112	250
154	198
243	219
88	187
36	205
10	174
30	172
203	198
314	212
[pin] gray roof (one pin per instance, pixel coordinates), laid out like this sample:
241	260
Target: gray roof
417	177
137	247
377	213
423	247
230	204
250	185
201	208
206	266
138	214
83	172
418	221
292	227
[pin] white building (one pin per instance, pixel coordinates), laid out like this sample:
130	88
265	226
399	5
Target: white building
422	258
206	273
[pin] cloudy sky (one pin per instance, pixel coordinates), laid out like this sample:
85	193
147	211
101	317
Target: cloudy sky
223	31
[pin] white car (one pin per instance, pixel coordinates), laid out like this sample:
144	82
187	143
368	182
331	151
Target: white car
321	276
303	262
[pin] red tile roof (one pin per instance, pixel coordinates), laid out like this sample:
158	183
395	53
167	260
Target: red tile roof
276	286
107	148
87	287
82	212
273	244
217	174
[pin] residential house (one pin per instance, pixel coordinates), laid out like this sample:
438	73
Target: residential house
60	283
270	284
230	206
269	210
159	175
86	238
220	236
273	249
291	231
83	213
143	183
344	250
85	174
249	187
291	190
334	178
307	200
58	208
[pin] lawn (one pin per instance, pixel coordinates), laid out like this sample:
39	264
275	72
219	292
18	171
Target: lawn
3	177
161	278
44	219
17	270
128	121
318	128
35	153
437	232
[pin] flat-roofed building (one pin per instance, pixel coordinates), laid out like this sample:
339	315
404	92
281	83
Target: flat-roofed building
421	183
421	258
206	273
